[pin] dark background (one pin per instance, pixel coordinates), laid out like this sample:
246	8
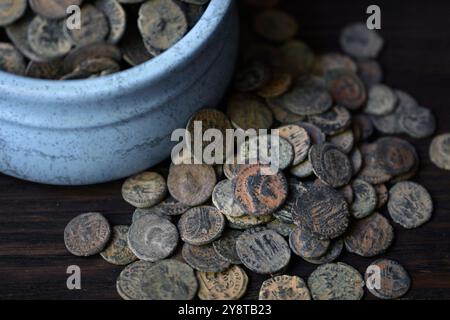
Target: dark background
416	59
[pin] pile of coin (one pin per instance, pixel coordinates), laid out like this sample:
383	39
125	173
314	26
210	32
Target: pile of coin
198	229
44	40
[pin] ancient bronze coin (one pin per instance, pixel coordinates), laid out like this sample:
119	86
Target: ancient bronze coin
316	135
372	171
252	77
231	168
53	9
96	67
48	39
161	23
297	57
191	184
334	251
387	279
153	211
282	115
281	227
362	127
275	25
116	16
396	156
357	160
11	60
410	204
336	281
152	238
345	141
308	96
227	285
334	61
440	151
144	190
298	137
11	10
382	100
302	170
365	201
346	88
418	122
331	165
201	225
204	258
360	42
322	210
370	72
388	124
129	282
382	195
284	288
248	111
259	191
168	208
248	221
225	247
45	70
117	251
306	244
263	251
347	193
370	236
97	50
223	199
94	27
333	121
87	234
279	83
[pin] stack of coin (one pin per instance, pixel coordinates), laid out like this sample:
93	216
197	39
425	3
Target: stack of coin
76	39
335	182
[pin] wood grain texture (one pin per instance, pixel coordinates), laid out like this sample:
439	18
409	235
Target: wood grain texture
416	59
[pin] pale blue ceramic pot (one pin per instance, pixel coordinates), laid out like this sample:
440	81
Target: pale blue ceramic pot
91	131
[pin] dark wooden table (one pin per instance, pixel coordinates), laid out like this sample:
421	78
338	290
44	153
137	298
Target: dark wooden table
33	260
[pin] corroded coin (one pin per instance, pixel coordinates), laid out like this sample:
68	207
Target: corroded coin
93	51
306	244
282	115
263	251
152	238
11	10
153	211
362	127
382	195
302	170
223	199
330	164
284	288
204	258
248	111
316	135
92	68
298	137
45	70
275	25
227	285
358	41
116	16
345	141
347	193
440	151
94	27
87	234
161	23
231	168
247	221
191	184
258	191
357	160
323	210
201	225
171	207
346	88
418	122
370	72
336	281
410	204
252	77
365	201
279	83
297	57
372	172
48	39
334	61
129	283
53	9
281	227
144	190
334	251
396	156
333	121
11	60
370	236
387	279
382	100
117	251
225	247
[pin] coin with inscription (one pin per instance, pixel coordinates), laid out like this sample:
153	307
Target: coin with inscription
263	251
365	199
11	60
225	247
323	210
440	151
117	251
227	285
144	189
298	137
94	27
248	111
152	238
331	165
306	244
382	100
11	10
336	281
284	288
360	42
87	234
53	9
410	204
191	184
275	25
116	16
396	156
259	191
334	251
223	199
204	258
370	236
129	282
346	88
153	211
387	279
333	121
201	225
372	172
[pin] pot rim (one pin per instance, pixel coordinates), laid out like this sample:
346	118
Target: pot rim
132	79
